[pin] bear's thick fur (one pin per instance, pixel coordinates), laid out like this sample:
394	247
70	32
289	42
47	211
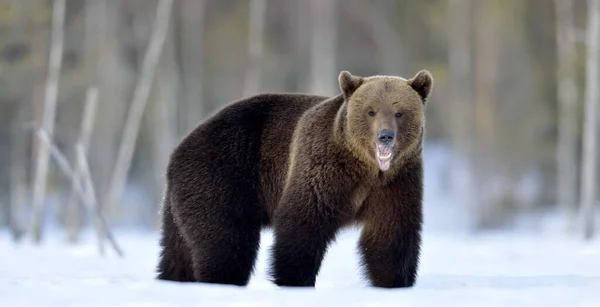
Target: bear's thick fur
306	166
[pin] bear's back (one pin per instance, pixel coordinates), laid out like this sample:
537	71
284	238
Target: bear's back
247	141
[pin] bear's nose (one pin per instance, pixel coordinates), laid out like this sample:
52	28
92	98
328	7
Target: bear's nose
385	136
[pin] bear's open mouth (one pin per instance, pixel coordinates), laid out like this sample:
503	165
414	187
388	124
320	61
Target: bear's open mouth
384	156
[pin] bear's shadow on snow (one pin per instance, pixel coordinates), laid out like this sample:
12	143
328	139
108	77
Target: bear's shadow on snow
508	282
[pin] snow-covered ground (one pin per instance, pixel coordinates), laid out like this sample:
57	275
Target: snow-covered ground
456	270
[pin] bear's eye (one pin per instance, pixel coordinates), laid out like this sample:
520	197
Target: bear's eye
399	114
372	113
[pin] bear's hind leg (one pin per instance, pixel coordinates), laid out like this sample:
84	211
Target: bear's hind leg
225	238
175	260
227	257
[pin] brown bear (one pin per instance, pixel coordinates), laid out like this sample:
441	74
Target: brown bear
306	166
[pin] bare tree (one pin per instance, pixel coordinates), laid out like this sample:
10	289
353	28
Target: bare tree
191	49
18	145
387	40
164	119
590	124
390	50
460	67
299	13
87	193
323	47
566	154
51	93
110	73
485	73
459	64
138	104
90	199
256	39
87	124
18	178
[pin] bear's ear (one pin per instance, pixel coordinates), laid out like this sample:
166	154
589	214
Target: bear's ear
348	83
422	83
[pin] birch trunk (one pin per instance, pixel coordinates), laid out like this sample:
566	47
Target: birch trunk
566	154
300	12
485	74
18	178
113	79
256	38
323	46
164	119
138	105
51	93
191	46
460	67
590	127
87	124
88	193
389	47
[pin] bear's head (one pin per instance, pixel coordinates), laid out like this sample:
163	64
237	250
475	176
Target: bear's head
385	115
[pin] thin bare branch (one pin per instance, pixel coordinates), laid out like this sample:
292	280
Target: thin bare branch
93	200
89	197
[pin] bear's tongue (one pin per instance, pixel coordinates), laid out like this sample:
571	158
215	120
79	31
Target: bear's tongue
384	156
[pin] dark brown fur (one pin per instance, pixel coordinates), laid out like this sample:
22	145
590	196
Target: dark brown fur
306	166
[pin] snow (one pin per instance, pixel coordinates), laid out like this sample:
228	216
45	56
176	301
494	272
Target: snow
494	269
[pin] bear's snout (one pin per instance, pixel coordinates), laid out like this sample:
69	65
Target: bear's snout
385	137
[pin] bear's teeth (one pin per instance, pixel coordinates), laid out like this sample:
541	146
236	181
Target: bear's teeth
386	156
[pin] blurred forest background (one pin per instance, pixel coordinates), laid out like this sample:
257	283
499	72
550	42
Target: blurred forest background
114	85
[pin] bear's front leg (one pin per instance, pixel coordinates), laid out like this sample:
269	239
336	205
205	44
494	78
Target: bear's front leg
390	242
303	229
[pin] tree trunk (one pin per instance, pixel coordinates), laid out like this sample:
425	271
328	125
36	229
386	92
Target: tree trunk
256	37
302	49
86	128
485	73
459	63
51	93
163	125
138	105
112	77
389	47
590	128
566	154
390	52
88	193
460	70
18	177
323	46
191	51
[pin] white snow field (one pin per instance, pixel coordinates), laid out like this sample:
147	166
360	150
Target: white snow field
456	270
518	268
